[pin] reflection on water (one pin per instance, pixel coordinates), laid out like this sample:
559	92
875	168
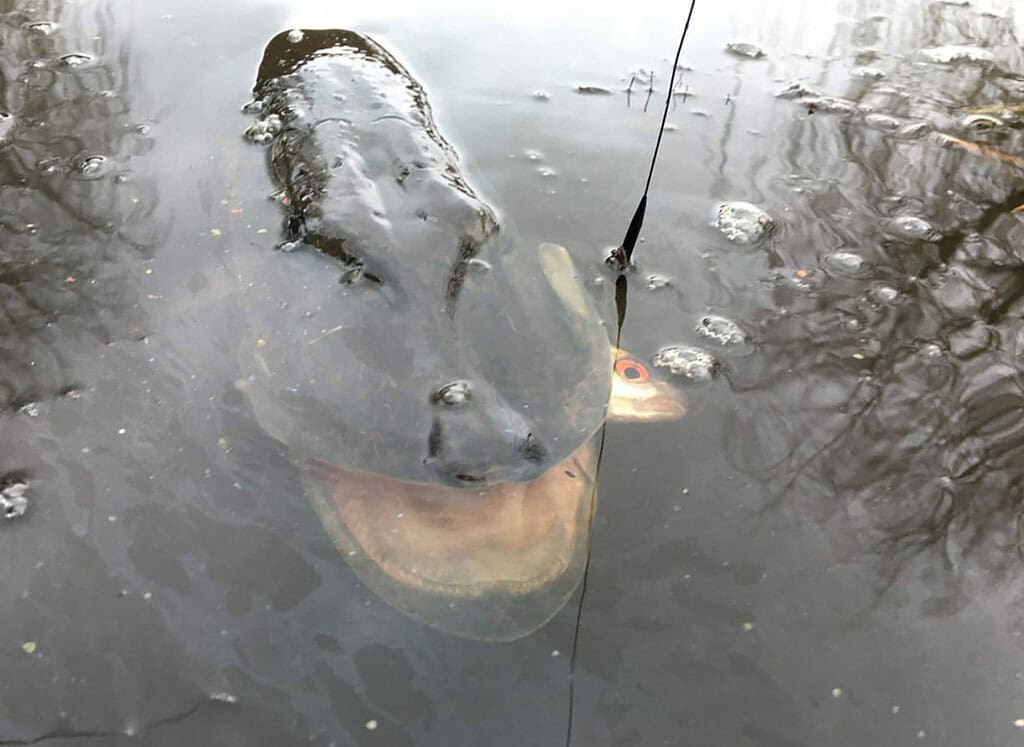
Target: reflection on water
891	348
73	214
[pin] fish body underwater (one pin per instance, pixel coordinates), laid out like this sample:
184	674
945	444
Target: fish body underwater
444	416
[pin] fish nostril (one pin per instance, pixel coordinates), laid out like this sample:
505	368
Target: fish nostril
531	449
435	441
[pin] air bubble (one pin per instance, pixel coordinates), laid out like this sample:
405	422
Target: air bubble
657	282
745	49
871	73
846	263
43	28
913	228
90	167
74	59
981	122
253	107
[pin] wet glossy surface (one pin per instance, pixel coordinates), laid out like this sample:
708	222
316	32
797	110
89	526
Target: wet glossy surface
824	551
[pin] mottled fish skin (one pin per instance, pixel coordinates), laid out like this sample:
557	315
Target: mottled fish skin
416	286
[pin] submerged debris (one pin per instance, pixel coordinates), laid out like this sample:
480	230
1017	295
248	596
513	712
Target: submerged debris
743	222
593	90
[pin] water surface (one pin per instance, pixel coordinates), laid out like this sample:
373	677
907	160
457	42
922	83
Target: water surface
824	551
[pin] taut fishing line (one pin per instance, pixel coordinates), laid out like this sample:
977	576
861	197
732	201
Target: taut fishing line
620	258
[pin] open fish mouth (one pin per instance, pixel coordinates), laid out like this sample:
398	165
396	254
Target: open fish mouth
489	563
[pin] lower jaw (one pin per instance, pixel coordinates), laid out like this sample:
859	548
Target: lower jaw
490	563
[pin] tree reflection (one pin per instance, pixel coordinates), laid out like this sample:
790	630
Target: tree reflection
891	379
73	212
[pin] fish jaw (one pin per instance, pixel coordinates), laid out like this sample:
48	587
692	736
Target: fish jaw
492	563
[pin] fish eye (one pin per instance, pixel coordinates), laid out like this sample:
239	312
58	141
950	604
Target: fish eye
632	370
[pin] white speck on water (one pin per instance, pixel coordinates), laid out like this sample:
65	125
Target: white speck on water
921	734
837	692
895	709
555	652
1019	723
371	724
121	431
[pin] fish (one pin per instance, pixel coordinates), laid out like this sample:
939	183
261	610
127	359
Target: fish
445	420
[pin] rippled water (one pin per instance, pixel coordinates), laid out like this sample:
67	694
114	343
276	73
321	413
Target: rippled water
824	551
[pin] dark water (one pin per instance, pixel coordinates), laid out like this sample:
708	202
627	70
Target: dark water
824	551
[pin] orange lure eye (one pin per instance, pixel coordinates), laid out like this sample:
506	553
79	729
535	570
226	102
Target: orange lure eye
632	370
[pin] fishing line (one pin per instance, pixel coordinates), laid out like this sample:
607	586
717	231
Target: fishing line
624	254
621	257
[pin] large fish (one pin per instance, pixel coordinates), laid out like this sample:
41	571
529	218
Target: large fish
444	410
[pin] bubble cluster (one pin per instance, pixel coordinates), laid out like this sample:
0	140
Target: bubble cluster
722	330
688	362
13	502
743	222
262	131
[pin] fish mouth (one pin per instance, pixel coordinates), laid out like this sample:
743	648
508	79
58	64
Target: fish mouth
487	562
